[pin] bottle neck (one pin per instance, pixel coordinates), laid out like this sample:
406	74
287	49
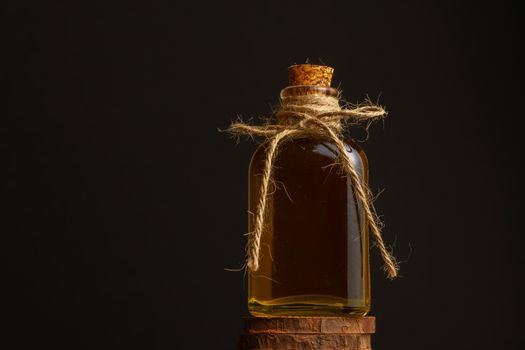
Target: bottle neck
301	102
304	90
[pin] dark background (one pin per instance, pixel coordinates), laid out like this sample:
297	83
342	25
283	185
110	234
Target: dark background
123	204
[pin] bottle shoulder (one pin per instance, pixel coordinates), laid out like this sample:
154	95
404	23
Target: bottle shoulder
303	146
310	150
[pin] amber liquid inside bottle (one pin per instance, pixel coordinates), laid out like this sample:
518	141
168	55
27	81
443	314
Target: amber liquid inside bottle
314	249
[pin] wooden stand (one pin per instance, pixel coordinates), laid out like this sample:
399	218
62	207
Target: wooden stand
307	333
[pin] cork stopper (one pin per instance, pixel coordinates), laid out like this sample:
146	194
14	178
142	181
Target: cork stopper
309	74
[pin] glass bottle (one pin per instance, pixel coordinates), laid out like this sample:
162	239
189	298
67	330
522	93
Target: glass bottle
314	250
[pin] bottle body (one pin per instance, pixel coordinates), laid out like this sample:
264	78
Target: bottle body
314	248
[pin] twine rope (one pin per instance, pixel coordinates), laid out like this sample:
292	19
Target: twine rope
321	117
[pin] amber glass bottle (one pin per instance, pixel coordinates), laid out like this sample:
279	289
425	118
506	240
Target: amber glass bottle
314	249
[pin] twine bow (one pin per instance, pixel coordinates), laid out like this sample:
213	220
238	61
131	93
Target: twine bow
314	116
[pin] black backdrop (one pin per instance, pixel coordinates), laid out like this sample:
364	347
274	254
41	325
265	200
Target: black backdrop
123	204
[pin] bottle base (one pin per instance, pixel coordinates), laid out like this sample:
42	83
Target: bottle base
307	306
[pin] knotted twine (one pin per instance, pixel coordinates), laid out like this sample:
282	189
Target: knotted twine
316	116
